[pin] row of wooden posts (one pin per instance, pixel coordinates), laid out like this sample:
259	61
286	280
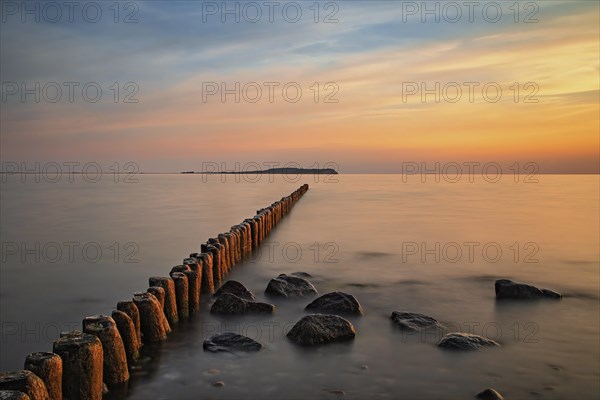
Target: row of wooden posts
83	361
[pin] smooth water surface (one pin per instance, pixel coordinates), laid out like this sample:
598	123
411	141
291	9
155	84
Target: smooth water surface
434	248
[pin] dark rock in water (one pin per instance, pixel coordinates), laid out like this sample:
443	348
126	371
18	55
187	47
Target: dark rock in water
321	328
231	342
414	321
230	304
507	289
489	394
336	302
218	384
236	288
302	274
465	341
290	286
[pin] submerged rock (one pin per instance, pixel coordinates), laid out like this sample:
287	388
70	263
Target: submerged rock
336	302
507	289
236	288
465	341
230	342
290	286
489	394
321	328
231	304
414	321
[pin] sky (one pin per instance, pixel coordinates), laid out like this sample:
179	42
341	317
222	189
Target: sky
363	85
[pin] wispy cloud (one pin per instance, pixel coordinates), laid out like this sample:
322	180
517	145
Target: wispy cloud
370	53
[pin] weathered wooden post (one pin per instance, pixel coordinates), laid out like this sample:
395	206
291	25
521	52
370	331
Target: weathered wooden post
129	308
261	227
234	232
232	243
48	367
243	230
247	239
127	329
170	307
192	269
159	293
258	224
153	322
216	264
226	256
181	294
25	382
13	395
82	359
205	260
235	237
115	359
253	240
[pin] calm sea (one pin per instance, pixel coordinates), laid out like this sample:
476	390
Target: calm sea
73	249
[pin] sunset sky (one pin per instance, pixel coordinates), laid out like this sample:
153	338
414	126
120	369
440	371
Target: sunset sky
373	53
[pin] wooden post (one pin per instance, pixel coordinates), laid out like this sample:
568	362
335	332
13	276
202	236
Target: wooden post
226	254
205	260
48	367
82	359
26	382
194	274
170	307
129	335
159	293
13	395
216	267
153	322
181	294
257	235
115	359
129	308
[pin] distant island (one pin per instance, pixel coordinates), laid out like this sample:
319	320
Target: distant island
323	171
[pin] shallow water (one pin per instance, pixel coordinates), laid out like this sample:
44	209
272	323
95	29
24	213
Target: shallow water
370	235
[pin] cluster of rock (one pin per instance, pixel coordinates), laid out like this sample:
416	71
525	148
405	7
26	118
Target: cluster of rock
505	289
324	326
85	364
327	325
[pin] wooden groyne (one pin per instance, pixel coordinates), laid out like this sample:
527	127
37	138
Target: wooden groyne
102	353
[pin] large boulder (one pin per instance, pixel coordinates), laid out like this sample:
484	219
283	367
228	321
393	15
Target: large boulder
465	341
414	322
230	342
336	303
507	289
290	286
321	328
230	304
236	288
